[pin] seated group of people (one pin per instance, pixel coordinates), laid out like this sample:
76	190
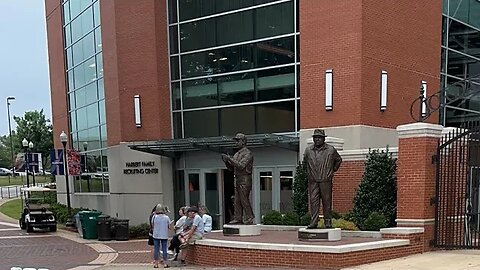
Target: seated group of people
192	225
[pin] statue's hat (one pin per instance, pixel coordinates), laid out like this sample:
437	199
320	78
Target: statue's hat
319	133
240	136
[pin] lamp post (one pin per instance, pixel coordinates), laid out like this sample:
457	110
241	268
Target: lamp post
25	147
30	146
10	134
85	148
64	139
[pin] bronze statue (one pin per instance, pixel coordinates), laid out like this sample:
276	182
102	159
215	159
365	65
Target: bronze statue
321	161
241	164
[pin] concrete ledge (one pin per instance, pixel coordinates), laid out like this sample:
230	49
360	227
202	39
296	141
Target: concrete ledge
414	222
402	230
361	154
365	234
304	248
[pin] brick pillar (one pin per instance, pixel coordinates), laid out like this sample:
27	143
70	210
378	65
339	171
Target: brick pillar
416	176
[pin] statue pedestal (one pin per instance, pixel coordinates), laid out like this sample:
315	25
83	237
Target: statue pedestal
241	230
313	235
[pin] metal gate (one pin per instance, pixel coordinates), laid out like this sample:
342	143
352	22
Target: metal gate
457	222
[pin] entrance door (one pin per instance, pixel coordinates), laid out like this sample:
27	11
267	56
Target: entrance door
212	197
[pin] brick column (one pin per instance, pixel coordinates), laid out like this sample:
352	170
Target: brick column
416	176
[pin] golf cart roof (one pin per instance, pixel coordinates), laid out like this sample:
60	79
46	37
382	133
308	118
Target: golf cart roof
38	189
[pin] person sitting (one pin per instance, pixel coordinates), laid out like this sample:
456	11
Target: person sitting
179	227
207	219
195	232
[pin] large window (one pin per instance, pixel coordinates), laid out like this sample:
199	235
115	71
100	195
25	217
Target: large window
86	97
461	61
226	81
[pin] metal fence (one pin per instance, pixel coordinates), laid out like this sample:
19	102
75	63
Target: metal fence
10	192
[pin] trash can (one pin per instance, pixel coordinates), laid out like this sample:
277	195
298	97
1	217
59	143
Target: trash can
104	228
89	223
121	230
78	223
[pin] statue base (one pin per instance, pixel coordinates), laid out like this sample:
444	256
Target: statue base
313	235
241	230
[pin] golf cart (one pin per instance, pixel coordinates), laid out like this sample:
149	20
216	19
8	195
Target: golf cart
36	213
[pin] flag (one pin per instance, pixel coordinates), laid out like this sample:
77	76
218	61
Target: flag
34	162
56	159
73	162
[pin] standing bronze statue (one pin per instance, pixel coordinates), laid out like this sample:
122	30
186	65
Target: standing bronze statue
321	161
241	164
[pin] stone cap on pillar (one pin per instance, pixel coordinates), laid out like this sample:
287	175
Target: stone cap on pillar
419	130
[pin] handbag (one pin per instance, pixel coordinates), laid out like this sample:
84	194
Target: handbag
150	240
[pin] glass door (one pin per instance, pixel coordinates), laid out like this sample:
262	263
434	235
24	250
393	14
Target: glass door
193	188
262	192
212	197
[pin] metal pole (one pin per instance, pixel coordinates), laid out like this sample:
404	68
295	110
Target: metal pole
10	134
66	177
27	165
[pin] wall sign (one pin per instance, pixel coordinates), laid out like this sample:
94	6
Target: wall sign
140	167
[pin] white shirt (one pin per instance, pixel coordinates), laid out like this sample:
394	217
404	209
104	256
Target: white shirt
179	224
207	220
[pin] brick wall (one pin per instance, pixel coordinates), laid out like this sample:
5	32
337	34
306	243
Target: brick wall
56	60
225	256
345	184
135	45
358	40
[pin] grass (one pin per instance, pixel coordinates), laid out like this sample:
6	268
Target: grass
19	180
12	208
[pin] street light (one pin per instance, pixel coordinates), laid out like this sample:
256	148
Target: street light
10	133
64	139
25	147
30	146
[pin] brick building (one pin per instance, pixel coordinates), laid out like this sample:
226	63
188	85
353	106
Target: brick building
151	91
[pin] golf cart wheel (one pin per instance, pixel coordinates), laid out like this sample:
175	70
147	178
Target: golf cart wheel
29	227
53	228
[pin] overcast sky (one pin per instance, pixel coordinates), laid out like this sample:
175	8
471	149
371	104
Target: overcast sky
23	59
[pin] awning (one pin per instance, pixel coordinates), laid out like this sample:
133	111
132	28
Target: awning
222	144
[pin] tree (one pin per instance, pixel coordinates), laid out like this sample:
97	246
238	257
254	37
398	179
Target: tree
6	152
300	191
36	128
378	189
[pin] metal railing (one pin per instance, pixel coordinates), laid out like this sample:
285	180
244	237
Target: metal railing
10	192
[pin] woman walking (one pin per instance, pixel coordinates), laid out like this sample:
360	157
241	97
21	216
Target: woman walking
160	223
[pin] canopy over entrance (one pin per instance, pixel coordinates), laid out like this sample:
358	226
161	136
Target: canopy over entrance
221	144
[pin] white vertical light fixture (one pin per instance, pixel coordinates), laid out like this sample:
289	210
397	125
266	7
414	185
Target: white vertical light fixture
138	117
383	91
329	89
424	106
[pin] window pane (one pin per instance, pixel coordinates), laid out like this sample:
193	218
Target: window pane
276	117
242	57
68	54
99	64
463	38
81	97
235	89
82	24
172	11
286	191
194	188
77	6
73	121
201	123
68	35
91	93
195	35
176	102
101	91
237	119
103	135
175	69
462	66
278	83
66	12
96	13
71	99
102	113
199	93
274	20
98	39
92	115
177	125
173	30
266	179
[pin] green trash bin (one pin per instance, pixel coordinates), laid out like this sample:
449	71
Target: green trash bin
89	223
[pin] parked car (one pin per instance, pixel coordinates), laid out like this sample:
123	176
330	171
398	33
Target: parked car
5	172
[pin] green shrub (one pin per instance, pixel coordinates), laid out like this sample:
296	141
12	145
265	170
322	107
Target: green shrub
139	231
291	219
300	190
272	218
305	219
374	222
377	191
340	223
335	215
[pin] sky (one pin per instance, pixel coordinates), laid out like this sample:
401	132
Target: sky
23	59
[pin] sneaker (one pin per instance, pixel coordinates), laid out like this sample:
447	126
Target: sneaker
170	252
184	245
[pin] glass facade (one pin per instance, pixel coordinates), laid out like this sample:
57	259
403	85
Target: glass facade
86	97
460	71
225	81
